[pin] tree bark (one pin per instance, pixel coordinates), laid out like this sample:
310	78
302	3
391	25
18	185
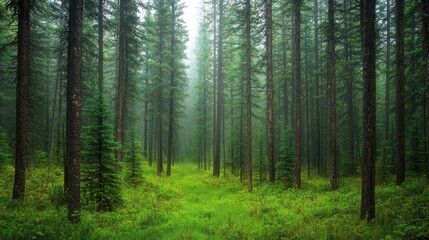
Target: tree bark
22	98
425	9
297	78
369	107
219	112
74	100
120	100
399	82
249	99
317	82
172	85
270	113
333	94
387	95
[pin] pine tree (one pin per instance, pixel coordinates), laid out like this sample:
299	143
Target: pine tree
101	182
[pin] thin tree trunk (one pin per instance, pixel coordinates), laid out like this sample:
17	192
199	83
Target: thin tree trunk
270	114
369	105
387	95
249	99
120	101
219	112
400	107
172	85
297	76
317	80
100	47
425	9
74	100
22	98
333	94
214	78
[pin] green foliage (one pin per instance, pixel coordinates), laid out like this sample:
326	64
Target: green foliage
192	205
100	182
133	159
5	151
285	164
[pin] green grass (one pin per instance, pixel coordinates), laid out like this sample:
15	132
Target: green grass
191	204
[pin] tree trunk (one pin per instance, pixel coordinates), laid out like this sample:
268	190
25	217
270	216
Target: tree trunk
22	97
400	107
214	79
333	94
74	100
270	113
317	80
219	112
249	99
297	78
369	107
172	83
100	47
120	100
387	95
425	9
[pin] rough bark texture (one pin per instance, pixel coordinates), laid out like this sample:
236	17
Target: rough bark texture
219	112
333	94
249	98
74	99
270	102
22	97
369	148
297	78
425	9
120	100
399	82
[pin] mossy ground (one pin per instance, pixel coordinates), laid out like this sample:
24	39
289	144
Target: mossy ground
191	204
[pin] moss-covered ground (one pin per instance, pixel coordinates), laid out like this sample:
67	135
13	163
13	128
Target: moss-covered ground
191	204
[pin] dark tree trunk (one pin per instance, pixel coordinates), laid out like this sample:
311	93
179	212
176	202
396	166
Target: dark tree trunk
22	97
400	107
120	100
387	96
100	47
297	78
270	103
219	112
172	84
214	78
317	80
425	8
74	100
333	93
249	99
369	107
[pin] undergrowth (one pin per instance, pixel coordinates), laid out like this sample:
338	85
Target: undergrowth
191	204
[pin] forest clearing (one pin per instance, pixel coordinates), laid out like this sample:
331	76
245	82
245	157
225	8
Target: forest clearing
193	205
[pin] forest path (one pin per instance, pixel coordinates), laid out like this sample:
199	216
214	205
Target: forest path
205	205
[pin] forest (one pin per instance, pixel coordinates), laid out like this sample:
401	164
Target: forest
214	119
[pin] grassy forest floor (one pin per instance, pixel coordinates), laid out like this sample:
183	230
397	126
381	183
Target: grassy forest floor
191	204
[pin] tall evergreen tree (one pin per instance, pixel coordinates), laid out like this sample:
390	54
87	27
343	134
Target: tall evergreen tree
297	80
400	105
270	103
369	148
332	94
22	98
74	100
